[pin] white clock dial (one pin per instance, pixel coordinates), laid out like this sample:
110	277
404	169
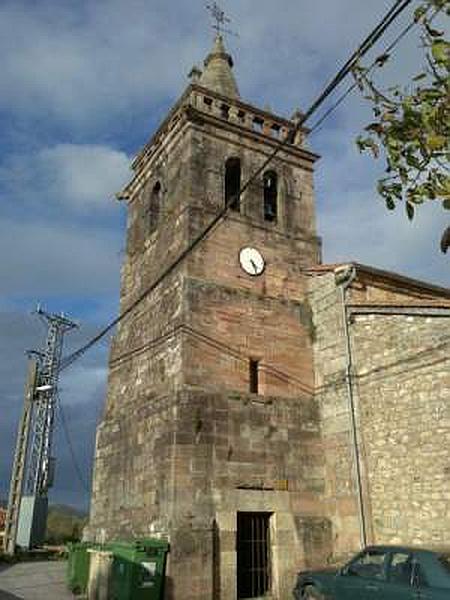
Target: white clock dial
251	261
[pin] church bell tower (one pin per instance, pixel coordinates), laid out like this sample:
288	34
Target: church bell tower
210	434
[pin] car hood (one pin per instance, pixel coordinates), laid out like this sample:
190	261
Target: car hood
324	578
328	571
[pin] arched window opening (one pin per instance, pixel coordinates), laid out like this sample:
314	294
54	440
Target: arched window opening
232	183
270	182
155	206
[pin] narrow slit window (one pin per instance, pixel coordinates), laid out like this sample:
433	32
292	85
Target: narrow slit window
253	375
155	206
270	183
232	183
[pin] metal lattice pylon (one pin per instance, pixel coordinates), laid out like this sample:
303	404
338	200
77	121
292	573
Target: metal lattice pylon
33	467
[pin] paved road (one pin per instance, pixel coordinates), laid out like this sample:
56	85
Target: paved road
34	581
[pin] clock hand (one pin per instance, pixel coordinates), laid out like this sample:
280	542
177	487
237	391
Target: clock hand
255	266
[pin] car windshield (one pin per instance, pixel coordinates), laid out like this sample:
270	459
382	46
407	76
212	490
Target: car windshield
445	560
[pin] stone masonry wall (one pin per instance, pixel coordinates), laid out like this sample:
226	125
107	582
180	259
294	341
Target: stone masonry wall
183	446
331	394
401	386
229	326
183	466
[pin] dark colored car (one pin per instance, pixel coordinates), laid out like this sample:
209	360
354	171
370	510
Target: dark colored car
381	573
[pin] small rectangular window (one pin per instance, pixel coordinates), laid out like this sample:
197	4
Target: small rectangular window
253	375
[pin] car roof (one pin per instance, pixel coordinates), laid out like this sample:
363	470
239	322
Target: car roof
410	548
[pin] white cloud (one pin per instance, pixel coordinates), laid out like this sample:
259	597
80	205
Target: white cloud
87	62
41	259
80	177
90	62
83	383
356	226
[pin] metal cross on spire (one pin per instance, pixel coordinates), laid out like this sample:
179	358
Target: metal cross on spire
220	18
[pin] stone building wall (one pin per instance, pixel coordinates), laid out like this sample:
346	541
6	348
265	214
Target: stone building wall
228	327
341	504
403	388
183	466
401	382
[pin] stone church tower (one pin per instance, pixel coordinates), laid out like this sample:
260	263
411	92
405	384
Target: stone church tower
210	434
265	412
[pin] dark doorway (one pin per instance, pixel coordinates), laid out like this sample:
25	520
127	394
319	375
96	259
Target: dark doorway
253	554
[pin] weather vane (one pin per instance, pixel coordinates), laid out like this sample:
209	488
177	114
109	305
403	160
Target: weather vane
220	19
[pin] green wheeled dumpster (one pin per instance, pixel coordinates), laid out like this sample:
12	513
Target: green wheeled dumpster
78	566
138	569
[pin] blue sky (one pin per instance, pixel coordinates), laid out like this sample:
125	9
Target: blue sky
83	86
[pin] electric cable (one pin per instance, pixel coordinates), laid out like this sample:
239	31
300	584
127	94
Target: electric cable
62	420
364	47
354	85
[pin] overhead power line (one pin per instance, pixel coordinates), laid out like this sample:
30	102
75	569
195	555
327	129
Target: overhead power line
354	85
76	466
361	51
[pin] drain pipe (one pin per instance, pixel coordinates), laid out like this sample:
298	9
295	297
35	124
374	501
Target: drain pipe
344	276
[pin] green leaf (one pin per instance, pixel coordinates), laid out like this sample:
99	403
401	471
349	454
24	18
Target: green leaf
396	189
440	49
390	203
419	76
419	13
410	210
436	142
376	127
403	175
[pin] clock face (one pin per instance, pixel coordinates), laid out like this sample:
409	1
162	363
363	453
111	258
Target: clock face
251	261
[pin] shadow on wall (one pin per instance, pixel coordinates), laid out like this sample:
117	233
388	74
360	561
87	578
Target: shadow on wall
216	560
168	589
317	539
8	596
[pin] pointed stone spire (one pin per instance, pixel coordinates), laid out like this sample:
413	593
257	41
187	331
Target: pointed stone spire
218	75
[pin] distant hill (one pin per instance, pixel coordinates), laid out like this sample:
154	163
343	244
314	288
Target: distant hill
65	522
68	510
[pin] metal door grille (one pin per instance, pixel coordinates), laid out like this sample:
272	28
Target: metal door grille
253	555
